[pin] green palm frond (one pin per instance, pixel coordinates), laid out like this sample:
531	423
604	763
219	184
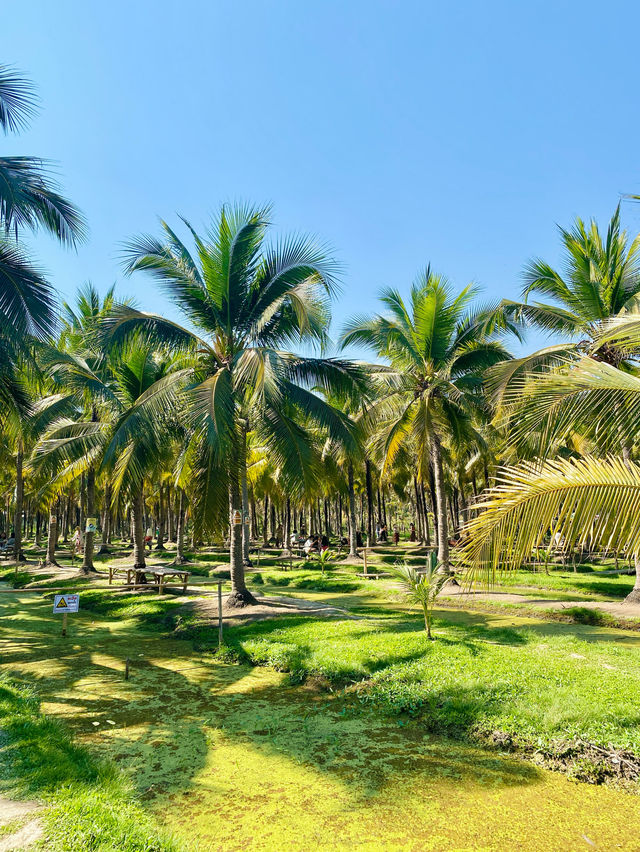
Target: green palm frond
123	321
18	101
211	412
291	448
29	198
550	318
501	376
27	304
601	399
589	501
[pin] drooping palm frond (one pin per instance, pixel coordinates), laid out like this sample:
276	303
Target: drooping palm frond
29	198
499	377
27	305
551	318
602	400
123	321
18	100
67	449
621	331
291	448
589	501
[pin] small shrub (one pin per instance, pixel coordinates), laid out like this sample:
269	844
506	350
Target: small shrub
586	615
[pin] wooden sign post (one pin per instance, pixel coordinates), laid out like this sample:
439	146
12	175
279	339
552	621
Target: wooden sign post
65	604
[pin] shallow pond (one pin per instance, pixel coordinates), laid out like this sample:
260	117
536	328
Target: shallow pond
230	757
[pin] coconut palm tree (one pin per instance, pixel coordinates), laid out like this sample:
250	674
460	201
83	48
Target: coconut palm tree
124	422
438	348
576	501
28	200
248	302
600	280
80	369
21	430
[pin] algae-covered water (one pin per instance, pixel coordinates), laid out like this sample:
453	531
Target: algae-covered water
230	757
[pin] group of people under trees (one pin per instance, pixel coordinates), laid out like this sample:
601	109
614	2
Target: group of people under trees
316	543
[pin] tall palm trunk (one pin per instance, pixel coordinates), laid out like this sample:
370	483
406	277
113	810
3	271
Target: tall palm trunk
137	523
180	560
87	557
434	502
171	518
52	540
634	594
441	504
161	519
265	525
240	595
425	514
106	520
353	537
369	501
17	518
286	529
246	531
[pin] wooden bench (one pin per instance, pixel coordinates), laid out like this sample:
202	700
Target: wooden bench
138	576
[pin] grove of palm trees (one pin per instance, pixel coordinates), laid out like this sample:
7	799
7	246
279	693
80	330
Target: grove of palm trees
424	532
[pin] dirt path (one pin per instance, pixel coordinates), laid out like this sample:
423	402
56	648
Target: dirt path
617	608
20	818
271	607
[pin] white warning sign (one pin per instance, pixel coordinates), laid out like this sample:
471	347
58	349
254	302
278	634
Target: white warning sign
66	603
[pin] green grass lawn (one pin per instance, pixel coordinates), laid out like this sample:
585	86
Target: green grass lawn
537	681
588	583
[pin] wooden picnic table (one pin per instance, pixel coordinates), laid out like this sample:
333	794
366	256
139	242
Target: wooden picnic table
138	576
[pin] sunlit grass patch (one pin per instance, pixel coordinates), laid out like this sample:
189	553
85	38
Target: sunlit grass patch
91	806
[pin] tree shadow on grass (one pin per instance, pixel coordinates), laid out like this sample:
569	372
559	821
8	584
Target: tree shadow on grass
167	713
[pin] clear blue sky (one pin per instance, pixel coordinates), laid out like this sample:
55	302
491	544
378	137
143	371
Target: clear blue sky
400	132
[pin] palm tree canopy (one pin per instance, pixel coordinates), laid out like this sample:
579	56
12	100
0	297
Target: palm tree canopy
248	302
601	276
438	348
600	281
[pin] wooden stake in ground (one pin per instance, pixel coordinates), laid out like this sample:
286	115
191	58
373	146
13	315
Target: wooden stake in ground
220	638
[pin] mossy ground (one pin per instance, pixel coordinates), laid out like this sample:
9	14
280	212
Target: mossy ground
235	757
